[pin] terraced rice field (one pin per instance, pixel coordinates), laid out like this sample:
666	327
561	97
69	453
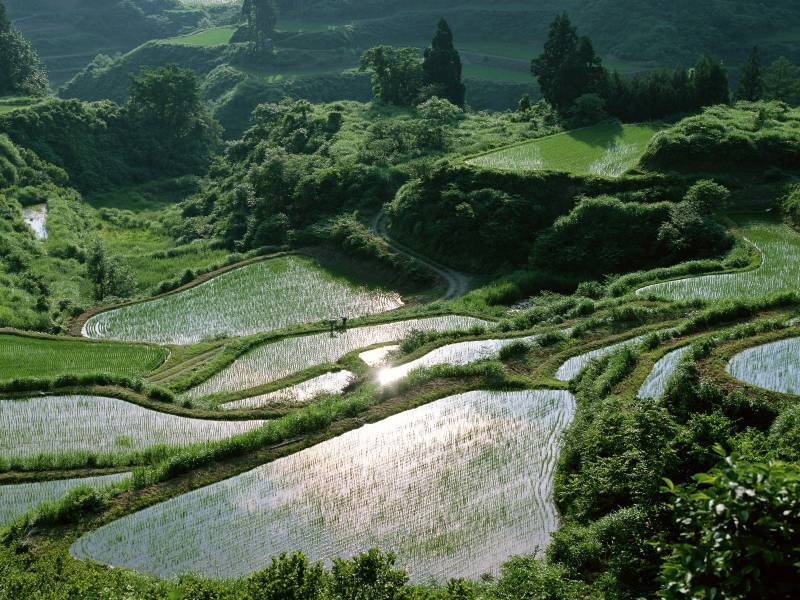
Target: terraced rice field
462	353
263	296
378	356
216	36
17	499
779	270
277	360
329	383
454	487
607	149
774	366
69	424
573	367
656	383
22	356
36	218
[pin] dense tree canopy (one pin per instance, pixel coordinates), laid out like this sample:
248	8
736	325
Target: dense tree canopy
396	74
21	71
569	67
441	67
751	79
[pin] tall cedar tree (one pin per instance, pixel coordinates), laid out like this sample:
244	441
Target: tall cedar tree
21	71
751	80
442	67
261	17
710	81
569	67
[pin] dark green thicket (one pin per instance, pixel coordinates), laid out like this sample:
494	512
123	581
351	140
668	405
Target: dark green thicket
441	67
21	71
751	79
162	131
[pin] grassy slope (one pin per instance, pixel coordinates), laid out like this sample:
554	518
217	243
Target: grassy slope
45	357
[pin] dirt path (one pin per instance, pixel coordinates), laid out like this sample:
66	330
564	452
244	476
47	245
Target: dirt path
458	284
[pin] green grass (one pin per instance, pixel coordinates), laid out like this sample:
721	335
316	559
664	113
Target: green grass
216	36
608	149
22	356
307	26
779	270
259	297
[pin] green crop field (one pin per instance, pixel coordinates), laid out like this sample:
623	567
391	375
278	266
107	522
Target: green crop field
774	366
276	360
22	356
479	466
779	271
259	297
19	498
56	425
217	36
656	383
609	150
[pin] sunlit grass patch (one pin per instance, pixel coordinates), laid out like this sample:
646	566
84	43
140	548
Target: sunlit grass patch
608	149
22	356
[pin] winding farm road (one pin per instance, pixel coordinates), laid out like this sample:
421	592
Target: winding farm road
458	284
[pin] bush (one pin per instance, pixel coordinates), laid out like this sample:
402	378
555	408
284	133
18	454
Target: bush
739	531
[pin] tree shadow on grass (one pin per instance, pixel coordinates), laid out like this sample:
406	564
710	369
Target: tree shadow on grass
597	135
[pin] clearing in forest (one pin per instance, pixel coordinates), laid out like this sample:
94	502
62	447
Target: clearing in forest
23	356
779	246
608	150
454	488
262	296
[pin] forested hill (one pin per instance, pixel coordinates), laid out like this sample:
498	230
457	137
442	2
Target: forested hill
69	33
666	33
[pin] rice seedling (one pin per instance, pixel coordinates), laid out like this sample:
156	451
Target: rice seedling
36	218
774	366
607	149
276	360
461	353
656	383
301	393
22	356
573	367
779	271
55	425
263	296
17	499
453	487
378	356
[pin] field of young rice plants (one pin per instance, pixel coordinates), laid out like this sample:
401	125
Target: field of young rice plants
656	383
70	424
454	488
779	271
329	383
461	353
280	359
608	149
259	297
17	499
378	356
22	356
573	367
36	218
774	366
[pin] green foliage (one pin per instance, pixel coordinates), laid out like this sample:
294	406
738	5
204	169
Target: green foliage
291	577
569	67
441	68
746	137
791	207
108	274
751	78
261	17
368	576
782	82
21	71
739	533
709	82
396	74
